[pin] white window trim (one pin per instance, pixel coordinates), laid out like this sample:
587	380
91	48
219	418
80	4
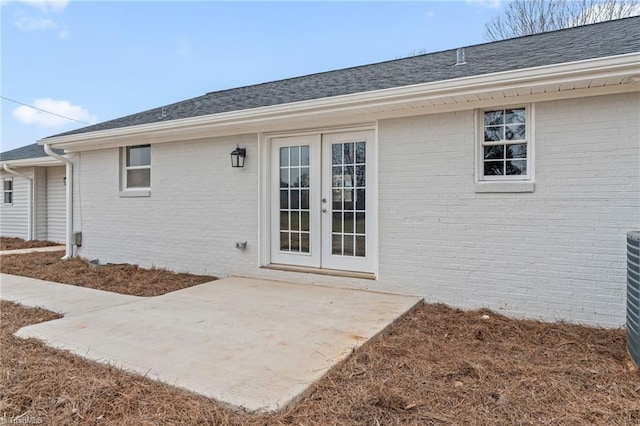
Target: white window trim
4	191
517	183
125	191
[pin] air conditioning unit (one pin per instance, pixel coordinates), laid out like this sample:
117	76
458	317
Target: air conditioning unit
633	295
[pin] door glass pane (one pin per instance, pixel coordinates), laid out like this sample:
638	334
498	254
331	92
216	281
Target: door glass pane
361	176
348	181
337	199
304	221
295	177
295	221
304	242
295	156
284	241
348	222
294	203
304	177
348	245
336	154
284	199
361	152
348	154
336	244
304	199
284	156
284	178
284	221
336	222
360	246
360	223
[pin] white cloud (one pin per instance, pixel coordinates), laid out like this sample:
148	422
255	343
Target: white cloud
491	4
28	115
48	5
29	24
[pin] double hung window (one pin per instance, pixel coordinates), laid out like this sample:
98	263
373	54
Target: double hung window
505	144
136	172
7	189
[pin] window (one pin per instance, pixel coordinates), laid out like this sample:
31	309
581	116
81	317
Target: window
505	144
137	167
7	189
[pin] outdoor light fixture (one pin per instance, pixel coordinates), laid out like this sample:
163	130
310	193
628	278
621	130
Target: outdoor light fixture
237	157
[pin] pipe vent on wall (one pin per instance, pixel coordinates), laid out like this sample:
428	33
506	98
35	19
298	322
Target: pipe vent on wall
460	56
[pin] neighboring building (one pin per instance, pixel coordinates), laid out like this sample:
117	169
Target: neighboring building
503	175
33	200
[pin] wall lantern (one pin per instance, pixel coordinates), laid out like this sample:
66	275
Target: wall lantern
237	157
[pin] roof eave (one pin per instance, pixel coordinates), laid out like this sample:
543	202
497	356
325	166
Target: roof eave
32	162
624	67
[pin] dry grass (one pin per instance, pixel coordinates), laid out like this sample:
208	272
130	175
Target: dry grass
435	366
19	243
124	279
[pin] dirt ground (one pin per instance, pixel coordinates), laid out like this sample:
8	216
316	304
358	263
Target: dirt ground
18	243
124	279
435	366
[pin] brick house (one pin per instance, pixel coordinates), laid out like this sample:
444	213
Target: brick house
502	175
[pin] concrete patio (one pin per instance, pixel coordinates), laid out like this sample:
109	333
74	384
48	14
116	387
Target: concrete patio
249	343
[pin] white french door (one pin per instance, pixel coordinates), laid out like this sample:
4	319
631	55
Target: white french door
323	201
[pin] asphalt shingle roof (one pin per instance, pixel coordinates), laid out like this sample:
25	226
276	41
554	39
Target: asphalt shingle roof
30	151
581	43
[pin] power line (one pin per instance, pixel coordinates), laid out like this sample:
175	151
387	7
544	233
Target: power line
43	110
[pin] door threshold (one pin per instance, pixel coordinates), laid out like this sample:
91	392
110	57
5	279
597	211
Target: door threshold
320	271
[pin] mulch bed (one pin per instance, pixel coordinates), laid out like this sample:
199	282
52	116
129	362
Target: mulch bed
18	243
124	279
436	366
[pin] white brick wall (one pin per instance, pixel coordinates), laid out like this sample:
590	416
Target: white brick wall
199	206
556	253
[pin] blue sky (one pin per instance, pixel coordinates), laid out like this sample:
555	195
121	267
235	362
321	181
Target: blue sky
95	61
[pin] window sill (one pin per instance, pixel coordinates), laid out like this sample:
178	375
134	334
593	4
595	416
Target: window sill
487	187
135	193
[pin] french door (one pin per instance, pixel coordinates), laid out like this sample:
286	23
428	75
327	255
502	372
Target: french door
322	206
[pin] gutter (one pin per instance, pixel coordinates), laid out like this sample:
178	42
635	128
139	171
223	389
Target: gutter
69	200
7	169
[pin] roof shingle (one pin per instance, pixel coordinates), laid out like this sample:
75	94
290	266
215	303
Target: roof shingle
580	43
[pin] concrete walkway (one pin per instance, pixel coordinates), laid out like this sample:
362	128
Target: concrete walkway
250	343
32	250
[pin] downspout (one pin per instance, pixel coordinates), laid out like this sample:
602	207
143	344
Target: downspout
69	194
29	199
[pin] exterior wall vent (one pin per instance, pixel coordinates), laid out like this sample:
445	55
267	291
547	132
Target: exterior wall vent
633	295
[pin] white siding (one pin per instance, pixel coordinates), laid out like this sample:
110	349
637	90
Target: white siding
40	197
14	217
556	253
56	202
